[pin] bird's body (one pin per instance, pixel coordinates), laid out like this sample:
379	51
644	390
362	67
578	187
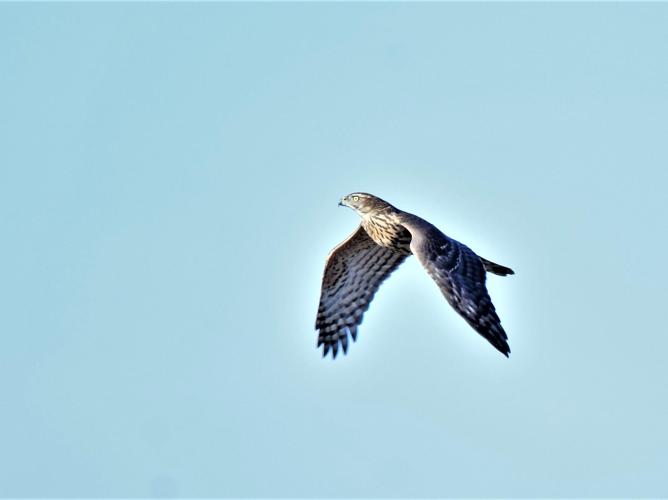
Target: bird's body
385	238
386	230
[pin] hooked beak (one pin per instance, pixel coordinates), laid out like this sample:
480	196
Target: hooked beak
341	204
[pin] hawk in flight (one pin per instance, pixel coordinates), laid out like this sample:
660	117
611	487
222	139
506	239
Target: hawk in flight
356	268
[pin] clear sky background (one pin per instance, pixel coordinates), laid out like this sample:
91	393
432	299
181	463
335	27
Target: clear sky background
169	179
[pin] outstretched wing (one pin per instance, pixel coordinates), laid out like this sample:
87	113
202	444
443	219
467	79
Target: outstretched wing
460	274
353	272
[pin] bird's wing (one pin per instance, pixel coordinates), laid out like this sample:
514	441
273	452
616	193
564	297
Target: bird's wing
460	275
353	272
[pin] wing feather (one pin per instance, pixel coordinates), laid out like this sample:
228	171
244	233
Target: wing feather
460	275
353	273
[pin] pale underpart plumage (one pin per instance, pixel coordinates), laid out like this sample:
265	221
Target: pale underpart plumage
356	268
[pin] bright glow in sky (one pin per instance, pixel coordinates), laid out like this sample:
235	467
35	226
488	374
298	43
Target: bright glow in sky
169	179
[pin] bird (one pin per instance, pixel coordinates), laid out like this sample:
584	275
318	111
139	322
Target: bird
355	269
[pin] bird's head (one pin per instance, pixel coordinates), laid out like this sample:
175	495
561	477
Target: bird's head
364	203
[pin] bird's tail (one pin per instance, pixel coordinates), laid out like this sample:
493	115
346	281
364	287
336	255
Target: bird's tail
491	267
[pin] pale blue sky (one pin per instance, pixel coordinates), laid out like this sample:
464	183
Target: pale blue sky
169	178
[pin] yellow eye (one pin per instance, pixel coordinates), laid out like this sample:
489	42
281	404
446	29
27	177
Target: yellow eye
356	198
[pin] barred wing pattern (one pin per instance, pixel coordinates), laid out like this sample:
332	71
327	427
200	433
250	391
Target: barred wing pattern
460	275
353	273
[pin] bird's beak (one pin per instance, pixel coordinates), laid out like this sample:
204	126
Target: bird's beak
341	204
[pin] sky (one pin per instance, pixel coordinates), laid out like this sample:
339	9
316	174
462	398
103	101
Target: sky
169	179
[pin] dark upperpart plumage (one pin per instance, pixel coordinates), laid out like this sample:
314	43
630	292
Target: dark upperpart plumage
356	268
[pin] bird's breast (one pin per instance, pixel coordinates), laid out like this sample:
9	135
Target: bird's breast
388	233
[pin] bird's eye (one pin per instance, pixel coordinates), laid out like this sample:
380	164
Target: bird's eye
356	198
